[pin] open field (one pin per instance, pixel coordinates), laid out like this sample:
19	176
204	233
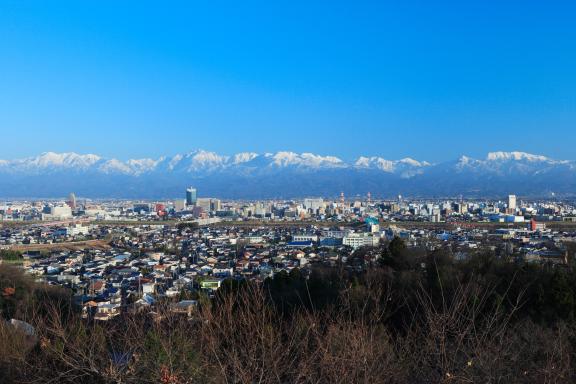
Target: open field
67	246
15	224
11	262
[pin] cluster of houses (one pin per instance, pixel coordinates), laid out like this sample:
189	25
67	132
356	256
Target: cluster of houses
148	265
45	234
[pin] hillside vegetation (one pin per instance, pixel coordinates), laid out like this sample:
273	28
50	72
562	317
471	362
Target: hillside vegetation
412	318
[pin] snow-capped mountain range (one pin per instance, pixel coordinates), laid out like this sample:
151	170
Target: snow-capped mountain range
282	174
198	162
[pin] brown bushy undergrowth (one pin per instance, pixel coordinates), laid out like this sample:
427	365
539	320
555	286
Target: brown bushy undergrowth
242	338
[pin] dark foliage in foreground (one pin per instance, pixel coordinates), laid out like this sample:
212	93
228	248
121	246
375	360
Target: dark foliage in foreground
410	318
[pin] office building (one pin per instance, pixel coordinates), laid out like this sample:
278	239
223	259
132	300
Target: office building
313	204
215	205
191	196
204	203
72	201
357	240
179	205
141	208
60	212
512	203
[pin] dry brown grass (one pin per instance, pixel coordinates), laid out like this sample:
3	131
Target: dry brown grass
65	246
241	338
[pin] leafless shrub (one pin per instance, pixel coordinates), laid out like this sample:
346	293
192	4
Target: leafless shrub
466	337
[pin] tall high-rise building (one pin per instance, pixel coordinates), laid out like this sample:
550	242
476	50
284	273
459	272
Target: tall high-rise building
72	201
191	196
215	205
512	202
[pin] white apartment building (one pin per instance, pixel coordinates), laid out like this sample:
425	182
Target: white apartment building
357	240
299	238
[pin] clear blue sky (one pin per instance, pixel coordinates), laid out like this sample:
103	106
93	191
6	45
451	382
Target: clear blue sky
427	79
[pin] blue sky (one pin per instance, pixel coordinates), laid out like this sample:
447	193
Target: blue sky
431	80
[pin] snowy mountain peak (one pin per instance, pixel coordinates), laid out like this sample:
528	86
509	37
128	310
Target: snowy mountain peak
244	157
115	166
67	159
174	162
414	163
517	156
271	175
389	165
363	162
202	159
375	162
285	159
466	161
139	166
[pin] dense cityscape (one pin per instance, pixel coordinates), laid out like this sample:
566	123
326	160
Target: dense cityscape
123	255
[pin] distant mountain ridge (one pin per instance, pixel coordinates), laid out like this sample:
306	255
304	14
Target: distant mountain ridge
283	175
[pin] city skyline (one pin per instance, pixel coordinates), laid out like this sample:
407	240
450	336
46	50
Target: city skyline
430	81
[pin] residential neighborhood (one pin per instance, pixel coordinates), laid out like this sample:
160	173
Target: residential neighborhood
177	258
